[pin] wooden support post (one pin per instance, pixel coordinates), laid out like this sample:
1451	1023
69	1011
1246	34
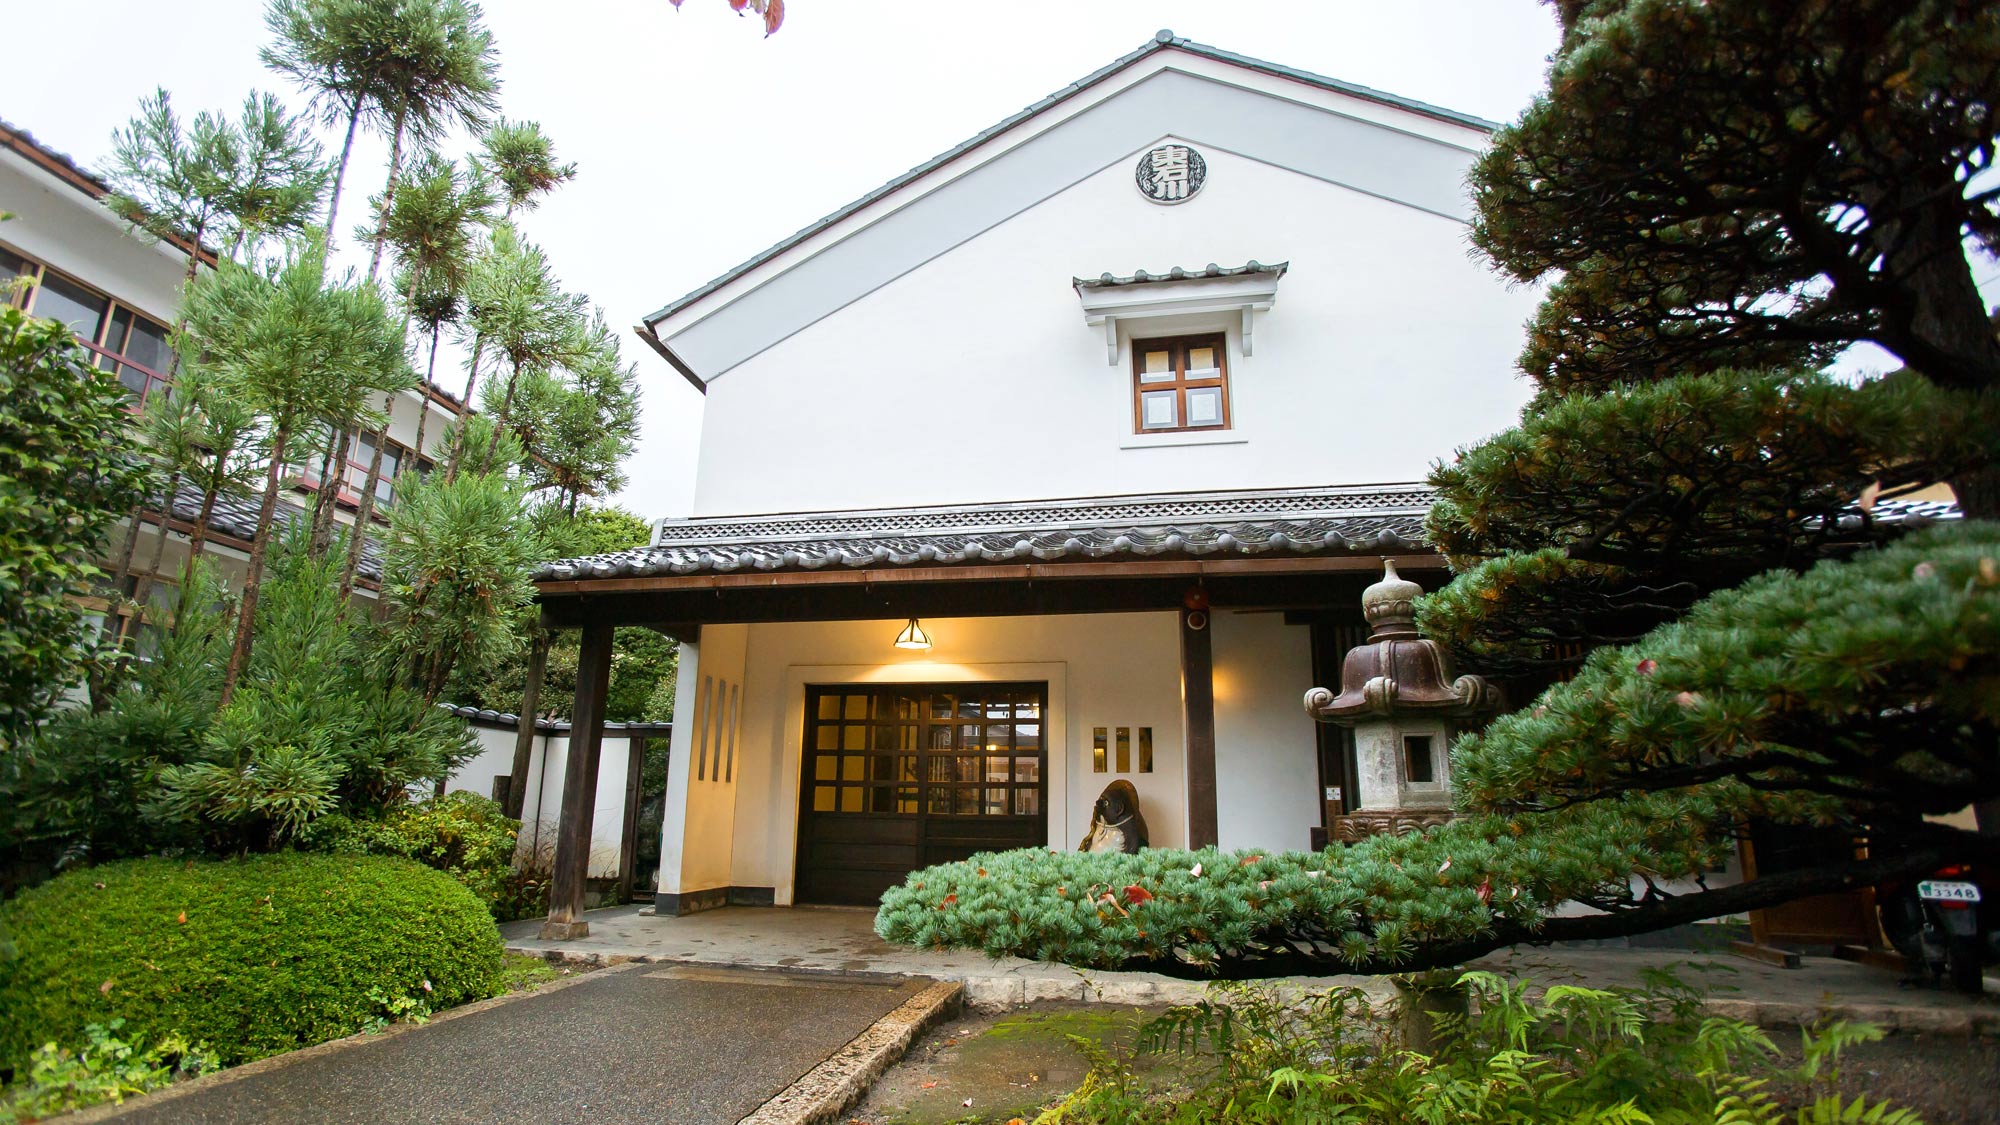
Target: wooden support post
1198	721
628	839
524	735
579	796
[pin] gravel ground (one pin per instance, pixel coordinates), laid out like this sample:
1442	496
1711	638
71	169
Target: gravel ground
1949	1081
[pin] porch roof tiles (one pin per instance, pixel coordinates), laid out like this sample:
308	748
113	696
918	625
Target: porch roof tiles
1304	522
1378	519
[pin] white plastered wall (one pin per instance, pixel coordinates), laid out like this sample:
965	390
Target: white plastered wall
706	767
541	807
1381	308
1266	751
1102	670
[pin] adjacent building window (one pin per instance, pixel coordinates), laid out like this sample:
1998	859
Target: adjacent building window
1181	383
124	341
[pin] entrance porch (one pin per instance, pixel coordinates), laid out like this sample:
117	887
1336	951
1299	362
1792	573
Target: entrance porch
1162	641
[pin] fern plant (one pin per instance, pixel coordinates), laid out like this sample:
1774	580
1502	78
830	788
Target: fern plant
1644	1056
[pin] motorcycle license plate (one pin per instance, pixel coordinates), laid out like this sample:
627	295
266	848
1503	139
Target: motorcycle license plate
1939	891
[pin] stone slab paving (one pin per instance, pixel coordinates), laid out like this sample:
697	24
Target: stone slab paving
643	1043
842	939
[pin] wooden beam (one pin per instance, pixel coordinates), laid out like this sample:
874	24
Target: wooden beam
1198	725
553	588
679	609
579	797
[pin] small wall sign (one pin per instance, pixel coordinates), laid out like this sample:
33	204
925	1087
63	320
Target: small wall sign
1171	174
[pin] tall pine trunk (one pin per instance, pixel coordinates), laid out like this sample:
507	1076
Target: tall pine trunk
388	197
198	538
253	579
471	381
327	502
152	572
464	410
500	419
524	735
364	509
424	417
340	172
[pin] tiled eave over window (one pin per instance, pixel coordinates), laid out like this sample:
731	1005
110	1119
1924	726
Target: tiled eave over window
1239	291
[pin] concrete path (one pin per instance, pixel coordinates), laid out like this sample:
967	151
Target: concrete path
842	939
640	1043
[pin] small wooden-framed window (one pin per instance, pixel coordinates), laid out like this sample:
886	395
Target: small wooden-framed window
1180	383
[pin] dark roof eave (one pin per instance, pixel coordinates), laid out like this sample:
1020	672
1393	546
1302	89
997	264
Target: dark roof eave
654	342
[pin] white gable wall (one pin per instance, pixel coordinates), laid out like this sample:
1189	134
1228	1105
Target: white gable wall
974	378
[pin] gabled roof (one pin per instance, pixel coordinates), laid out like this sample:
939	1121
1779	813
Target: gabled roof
1163	41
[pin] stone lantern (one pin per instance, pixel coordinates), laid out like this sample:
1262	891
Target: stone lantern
1398	694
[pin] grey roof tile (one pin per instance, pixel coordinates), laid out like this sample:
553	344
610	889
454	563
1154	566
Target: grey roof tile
236	517
1366	520
1180	273
1382	519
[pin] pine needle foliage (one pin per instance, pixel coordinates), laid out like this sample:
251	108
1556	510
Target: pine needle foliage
523	159
1861	690
456	576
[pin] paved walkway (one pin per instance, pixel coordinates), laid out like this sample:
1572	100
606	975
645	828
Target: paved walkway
639	1043
842	939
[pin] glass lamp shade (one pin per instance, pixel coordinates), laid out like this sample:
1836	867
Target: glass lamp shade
913	636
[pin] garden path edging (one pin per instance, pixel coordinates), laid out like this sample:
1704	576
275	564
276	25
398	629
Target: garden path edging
108	1111
840	1081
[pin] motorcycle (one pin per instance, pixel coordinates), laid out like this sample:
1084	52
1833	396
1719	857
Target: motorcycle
1944	926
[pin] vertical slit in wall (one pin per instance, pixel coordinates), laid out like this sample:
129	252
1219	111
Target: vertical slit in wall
729	773
704	700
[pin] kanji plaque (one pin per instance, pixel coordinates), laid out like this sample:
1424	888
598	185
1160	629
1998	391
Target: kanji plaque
1171	174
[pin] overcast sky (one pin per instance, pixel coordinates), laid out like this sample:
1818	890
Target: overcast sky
700	142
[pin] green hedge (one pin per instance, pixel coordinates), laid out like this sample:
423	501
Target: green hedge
249	956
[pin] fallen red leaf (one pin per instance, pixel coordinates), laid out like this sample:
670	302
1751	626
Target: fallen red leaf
1136	894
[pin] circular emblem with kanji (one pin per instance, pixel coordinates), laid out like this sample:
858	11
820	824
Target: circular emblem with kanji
1170	174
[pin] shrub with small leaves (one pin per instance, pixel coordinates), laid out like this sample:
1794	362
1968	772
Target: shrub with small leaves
462	834
250	956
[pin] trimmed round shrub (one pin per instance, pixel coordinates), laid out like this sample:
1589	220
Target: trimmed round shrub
249	956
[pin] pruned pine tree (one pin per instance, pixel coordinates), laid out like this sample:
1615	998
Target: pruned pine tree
390	65
522	314
579	422
231	444
278	183
456	566
432	224
1730	191
294	345
521	158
